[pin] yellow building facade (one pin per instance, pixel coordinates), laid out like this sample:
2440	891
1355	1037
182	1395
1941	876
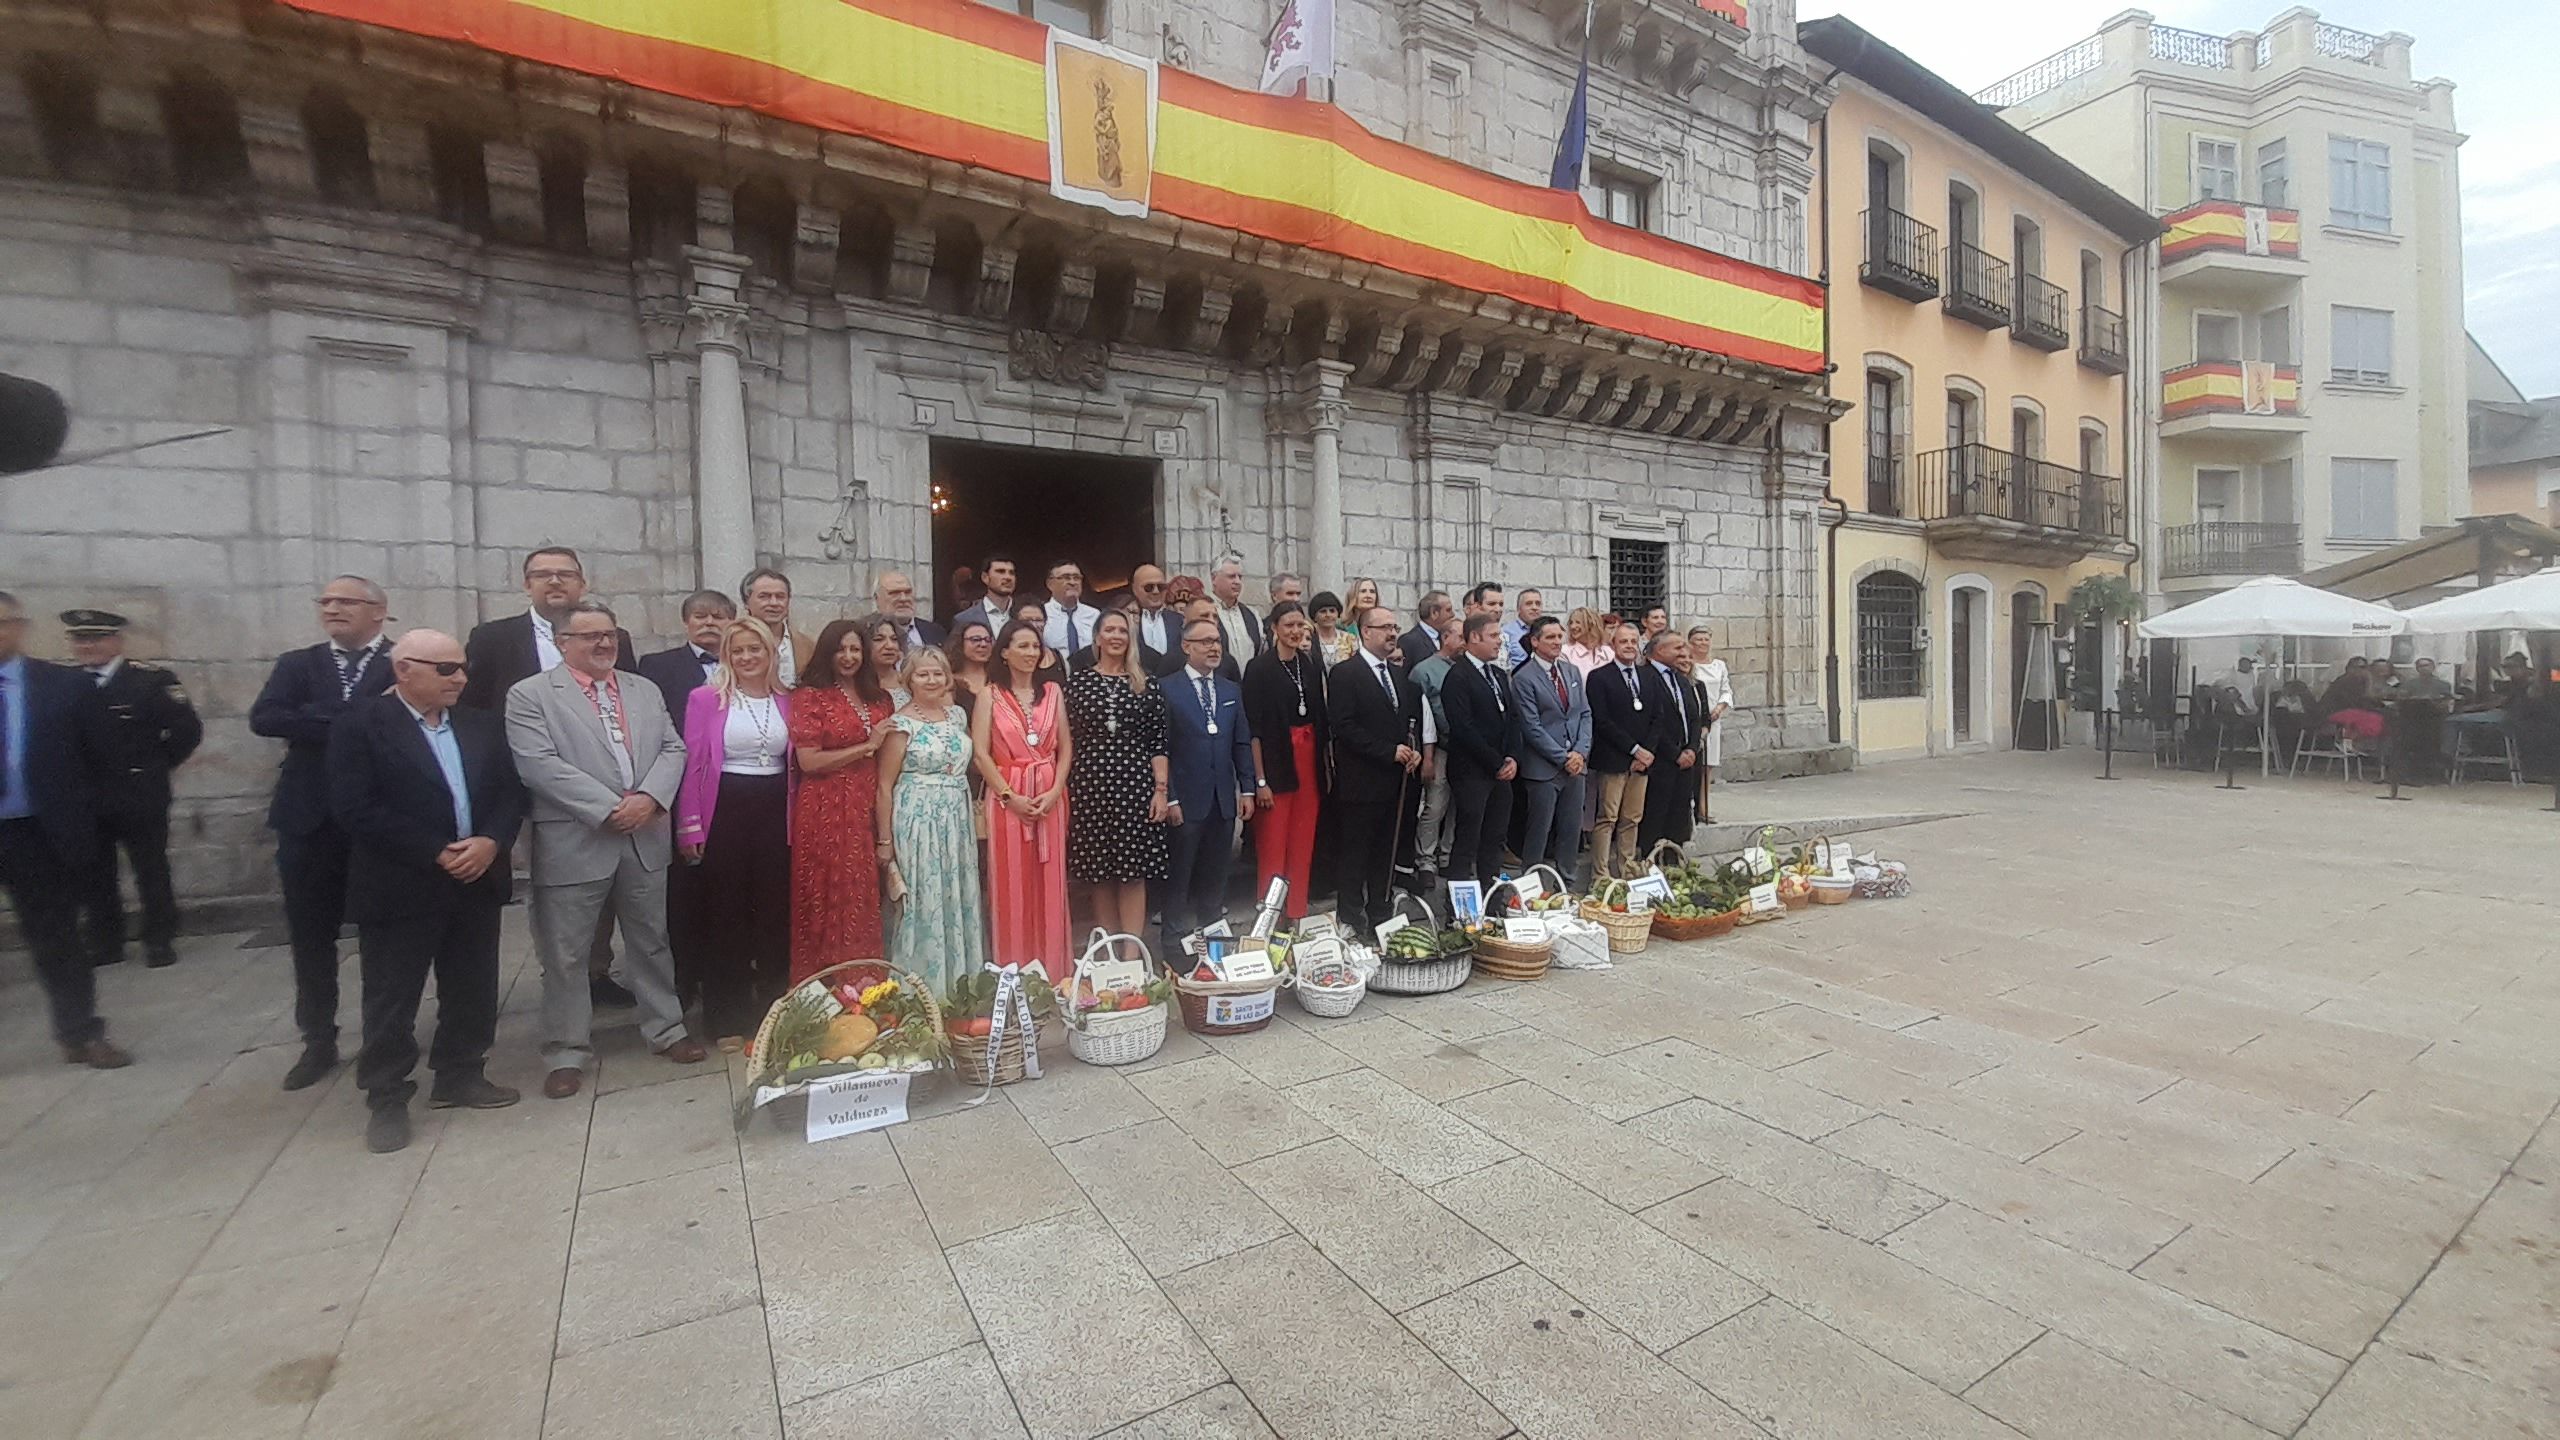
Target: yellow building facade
1992	460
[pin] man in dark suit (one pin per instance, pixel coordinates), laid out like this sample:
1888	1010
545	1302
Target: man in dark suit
1423	641
894	595
51	752
1555	727
517	647
151	730
1209	748
304	696
1483	744
506	650
1626	707
1670	805
995	605
427	795
679	670
1381	736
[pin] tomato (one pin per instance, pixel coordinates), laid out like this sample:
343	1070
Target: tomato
981	1027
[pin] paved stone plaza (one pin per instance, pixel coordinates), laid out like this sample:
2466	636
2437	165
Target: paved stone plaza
2155	1112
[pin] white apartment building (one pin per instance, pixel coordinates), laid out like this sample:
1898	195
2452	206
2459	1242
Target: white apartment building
2305	309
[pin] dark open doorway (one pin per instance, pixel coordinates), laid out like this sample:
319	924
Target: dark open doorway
1039	506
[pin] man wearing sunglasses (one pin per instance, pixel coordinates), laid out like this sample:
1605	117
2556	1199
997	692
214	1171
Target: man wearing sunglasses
1159	628
306	694
426	794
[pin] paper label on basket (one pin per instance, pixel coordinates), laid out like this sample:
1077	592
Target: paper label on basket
1219	930
1466	902
1247	965
1240	1009
1843	864
851	1104
1314	954
1116	974
1764	899
1529	887
1313	926
1761	861
1391	925
1525	929
1655	888
1639	904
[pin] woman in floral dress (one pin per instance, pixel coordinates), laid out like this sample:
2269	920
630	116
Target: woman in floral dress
839	719
924	833
1019	732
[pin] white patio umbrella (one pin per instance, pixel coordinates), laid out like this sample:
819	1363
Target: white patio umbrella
2274	605
2530	603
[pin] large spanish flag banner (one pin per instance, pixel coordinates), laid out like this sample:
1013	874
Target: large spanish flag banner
969	83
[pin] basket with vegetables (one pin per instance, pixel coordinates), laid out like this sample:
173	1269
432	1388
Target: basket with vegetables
1704	902
1116	1008
858	1016
1608	907
1424	958
986	1050
1500	956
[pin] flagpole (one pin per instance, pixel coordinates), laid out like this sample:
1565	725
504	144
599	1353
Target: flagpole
1590	17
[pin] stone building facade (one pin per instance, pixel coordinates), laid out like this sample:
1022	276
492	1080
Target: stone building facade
442	305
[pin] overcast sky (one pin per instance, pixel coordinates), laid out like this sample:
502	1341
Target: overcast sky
2502	55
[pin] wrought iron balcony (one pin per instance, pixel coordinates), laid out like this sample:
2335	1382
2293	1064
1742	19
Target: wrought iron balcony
1902	255
2044	314
1996	505
1978	288
2102	340
2230	547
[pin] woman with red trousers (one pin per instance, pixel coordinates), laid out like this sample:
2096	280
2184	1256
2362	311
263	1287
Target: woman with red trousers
1284	707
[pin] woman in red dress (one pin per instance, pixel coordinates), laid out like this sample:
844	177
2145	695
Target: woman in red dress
839	716
1018	735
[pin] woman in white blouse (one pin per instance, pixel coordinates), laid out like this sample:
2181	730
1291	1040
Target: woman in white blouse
733	820
1711	676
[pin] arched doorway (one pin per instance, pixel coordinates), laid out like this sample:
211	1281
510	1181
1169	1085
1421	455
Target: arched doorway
2032	725
1968	654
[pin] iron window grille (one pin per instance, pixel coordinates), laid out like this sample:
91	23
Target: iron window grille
1639	576
1888	637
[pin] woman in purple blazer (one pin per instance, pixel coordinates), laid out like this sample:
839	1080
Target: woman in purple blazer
733	820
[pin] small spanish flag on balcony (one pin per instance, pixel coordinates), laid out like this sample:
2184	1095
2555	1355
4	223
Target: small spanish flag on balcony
1737	11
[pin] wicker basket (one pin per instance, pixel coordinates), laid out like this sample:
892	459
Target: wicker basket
969	1052
1797	901
1226	1007
1696	927
1112	1037
1331	1002
932	1006
1828	890
1504	960
1628	929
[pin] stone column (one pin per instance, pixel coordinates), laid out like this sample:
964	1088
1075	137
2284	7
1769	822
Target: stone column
1319	386
724	498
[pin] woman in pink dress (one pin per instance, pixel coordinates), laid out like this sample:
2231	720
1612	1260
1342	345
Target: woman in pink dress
1018	733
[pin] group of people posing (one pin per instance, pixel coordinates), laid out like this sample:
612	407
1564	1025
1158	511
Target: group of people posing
755	805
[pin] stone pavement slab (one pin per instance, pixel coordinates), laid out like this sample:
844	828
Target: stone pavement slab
1767	1158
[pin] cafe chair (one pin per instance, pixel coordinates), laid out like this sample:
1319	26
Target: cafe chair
2490	745
2328	743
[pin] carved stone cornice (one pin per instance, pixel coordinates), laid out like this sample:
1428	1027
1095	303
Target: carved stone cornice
1039	355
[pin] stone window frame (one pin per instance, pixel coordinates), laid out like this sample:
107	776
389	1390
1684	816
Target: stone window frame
1898	426
1669	528
1918	650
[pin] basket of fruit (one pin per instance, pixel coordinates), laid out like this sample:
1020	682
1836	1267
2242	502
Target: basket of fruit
1795	889
1332	988
1423	958
1607	908
1704	902
1116	1008
858	1016
989	1048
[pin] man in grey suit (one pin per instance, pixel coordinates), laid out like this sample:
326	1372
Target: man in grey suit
603	765
1555	718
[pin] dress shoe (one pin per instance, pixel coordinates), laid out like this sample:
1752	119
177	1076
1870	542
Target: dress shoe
160	957
97	1055
606	993
388	1130
317	1061
562	1083
687	1051
472	1092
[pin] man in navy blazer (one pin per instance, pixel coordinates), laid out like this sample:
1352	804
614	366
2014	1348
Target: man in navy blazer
303	698
1209	750
1483	744
513	647
428	797
1555	752
53	738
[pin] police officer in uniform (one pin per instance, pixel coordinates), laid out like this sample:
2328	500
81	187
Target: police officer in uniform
151	730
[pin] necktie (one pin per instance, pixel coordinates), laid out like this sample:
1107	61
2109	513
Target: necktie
100	675
1634	691
1386	682
609	705
1208	706
350	665
1493	677
1075	634
1556	673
